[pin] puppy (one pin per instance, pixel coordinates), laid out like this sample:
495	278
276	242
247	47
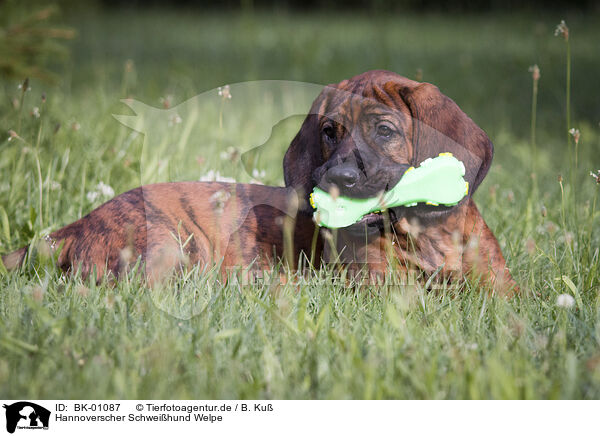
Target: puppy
359	138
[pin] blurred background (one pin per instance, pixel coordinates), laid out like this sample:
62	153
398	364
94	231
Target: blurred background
478	53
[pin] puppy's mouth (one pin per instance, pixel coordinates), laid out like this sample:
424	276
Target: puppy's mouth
373	222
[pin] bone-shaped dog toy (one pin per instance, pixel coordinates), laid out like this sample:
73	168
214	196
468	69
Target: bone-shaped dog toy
437	181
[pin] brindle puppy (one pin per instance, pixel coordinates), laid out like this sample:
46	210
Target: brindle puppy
358	140
360	137
169	225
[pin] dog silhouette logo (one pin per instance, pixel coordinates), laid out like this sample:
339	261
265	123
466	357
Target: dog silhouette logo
26	415
222	128
237	133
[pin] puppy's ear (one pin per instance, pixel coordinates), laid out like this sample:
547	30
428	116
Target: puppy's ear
304	155
440	126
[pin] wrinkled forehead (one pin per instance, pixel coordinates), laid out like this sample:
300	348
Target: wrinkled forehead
348	102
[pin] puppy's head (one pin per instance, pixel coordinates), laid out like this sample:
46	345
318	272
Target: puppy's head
362	134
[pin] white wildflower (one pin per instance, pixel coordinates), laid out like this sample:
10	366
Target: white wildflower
35	112
102	190
105	190
215	176
209	177
535	72
166	101
258	176
174	119
92	196
565	300
562	30
219	200
230	154
224	92
575	134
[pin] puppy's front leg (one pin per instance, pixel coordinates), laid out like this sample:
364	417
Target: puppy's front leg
482	255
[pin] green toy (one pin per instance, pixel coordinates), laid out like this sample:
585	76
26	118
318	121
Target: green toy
436	181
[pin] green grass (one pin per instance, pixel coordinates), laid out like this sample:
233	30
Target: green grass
61	337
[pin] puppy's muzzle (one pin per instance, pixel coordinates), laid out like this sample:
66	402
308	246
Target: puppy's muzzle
344	176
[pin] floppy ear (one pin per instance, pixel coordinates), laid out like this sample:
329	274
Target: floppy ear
440	126
304	155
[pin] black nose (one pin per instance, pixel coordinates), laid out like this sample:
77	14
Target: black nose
344	176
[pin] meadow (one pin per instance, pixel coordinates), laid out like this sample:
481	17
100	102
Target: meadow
64	337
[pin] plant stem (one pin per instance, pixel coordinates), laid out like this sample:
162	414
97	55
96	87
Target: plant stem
568	86
21	104
563	217
39	170
591	224
568	92
533	122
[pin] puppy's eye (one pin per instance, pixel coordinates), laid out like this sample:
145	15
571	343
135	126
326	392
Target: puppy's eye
384	131
329	132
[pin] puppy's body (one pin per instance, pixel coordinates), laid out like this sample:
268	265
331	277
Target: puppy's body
171	224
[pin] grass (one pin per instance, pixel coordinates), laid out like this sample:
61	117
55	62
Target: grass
61	337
